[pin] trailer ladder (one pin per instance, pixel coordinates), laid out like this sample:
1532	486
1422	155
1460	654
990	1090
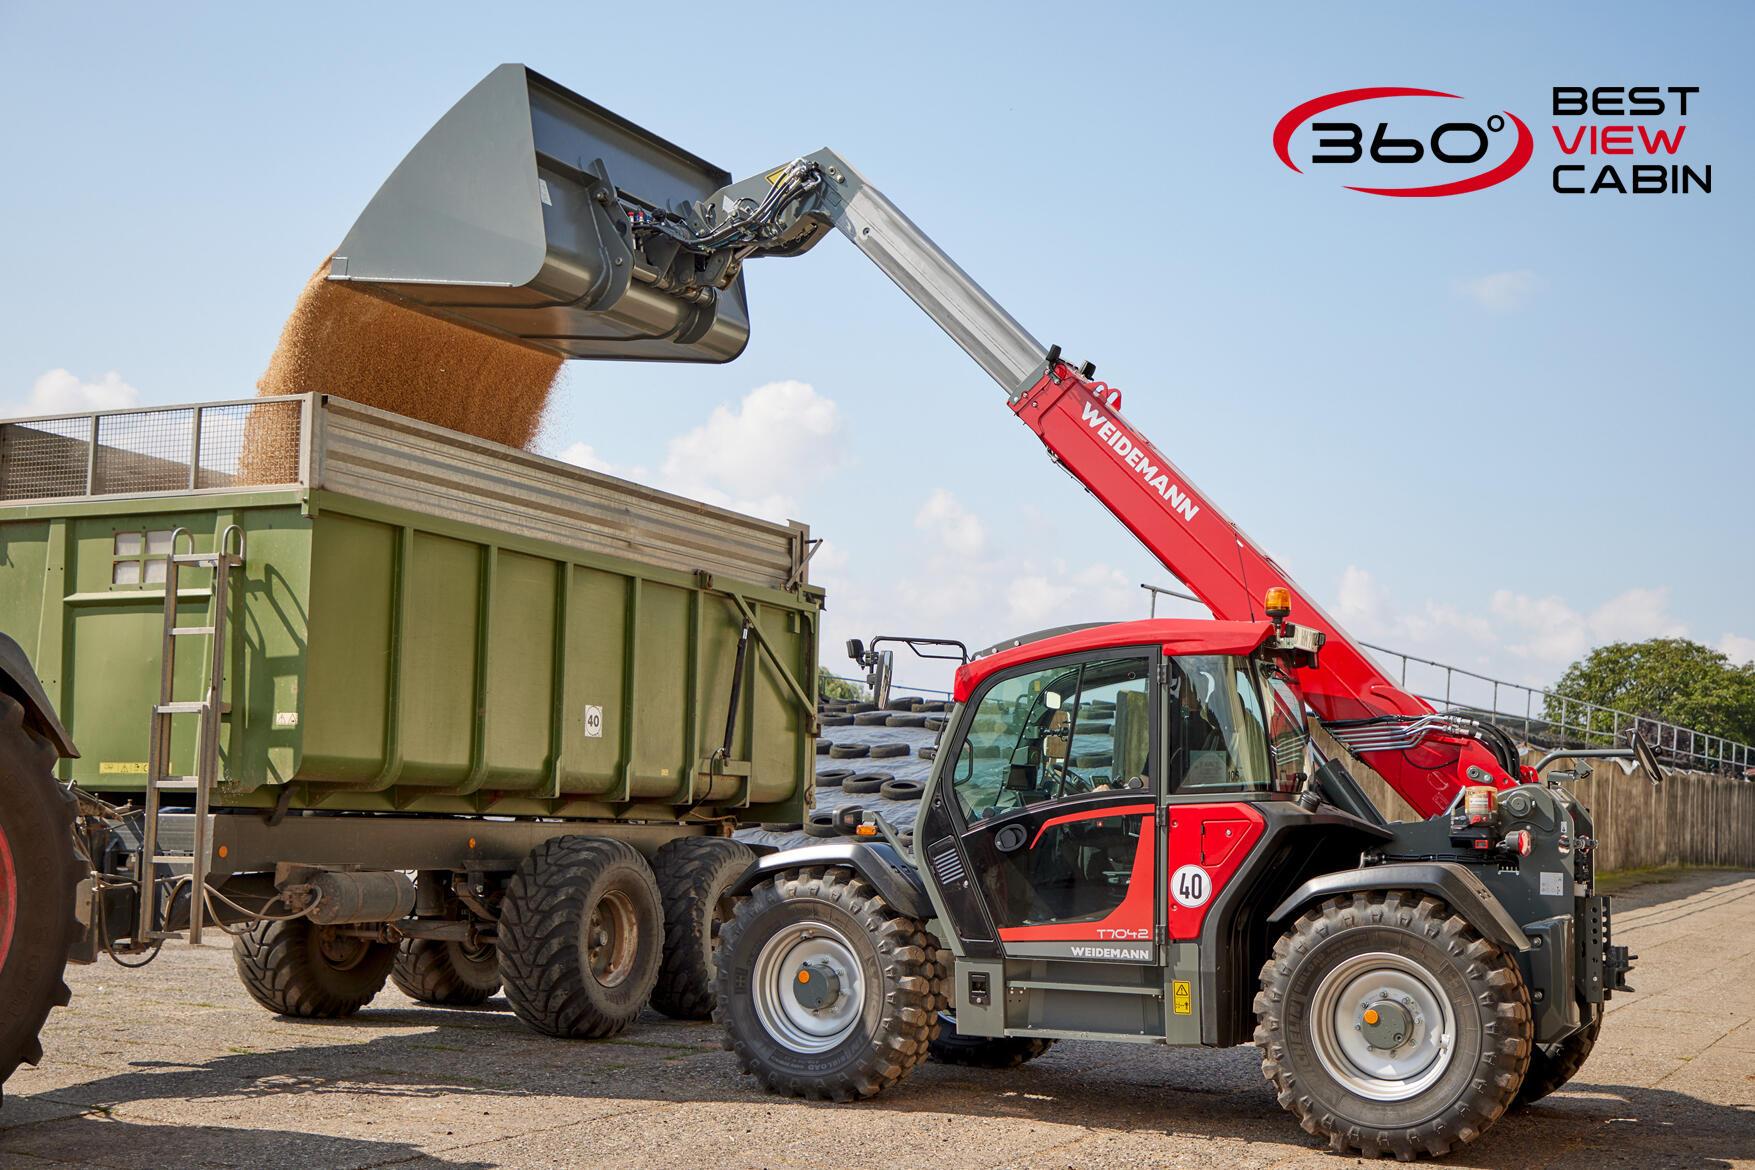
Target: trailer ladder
207	711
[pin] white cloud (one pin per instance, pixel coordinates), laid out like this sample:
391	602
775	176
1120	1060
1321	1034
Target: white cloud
1548	630
945	519
1543	634
1737	648
61	391
778	439
1500	292
586	456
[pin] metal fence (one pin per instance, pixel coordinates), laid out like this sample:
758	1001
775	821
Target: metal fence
1540	716
218	445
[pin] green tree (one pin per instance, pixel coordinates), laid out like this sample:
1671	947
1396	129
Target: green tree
839	688
1672	679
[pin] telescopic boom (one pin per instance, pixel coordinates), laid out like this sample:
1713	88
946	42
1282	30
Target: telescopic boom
582	234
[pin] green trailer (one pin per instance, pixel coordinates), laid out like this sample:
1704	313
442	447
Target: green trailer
396	649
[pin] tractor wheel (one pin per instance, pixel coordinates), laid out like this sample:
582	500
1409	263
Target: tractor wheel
296	968
694	875
1388	1025
983	1051
38	876
824	991
446	973
581	937
1552	1065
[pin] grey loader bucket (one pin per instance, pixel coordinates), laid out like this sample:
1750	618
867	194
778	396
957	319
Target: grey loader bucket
512	215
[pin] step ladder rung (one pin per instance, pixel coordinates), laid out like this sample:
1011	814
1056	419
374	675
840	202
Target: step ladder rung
189	631
181	708
172	858
178	783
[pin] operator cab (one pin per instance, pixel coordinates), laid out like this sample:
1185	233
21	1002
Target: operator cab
1068	746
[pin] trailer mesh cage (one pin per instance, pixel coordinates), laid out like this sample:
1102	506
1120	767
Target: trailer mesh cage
142	452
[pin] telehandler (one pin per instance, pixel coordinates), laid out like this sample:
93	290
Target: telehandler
1129	833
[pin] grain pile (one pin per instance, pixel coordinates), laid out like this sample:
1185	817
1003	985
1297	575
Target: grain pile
361	347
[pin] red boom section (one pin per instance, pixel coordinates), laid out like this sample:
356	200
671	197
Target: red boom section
1079	422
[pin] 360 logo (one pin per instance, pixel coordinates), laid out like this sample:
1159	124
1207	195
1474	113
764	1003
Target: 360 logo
1483	153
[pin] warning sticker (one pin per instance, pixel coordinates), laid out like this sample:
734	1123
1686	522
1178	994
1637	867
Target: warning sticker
774	176
1553	883
121	768
1182	997
593	722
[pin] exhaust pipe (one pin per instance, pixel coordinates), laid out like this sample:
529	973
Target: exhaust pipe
512	215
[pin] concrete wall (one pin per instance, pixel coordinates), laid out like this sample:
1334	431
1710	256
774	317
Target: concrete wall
1692	819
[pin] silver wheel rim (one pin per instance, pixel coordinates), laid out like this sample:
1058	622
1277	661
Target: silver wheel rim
1381	982
777	968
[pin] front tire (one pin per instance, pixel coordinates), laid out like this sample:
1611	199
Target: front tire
1387	1025
581	937
296	968
825	991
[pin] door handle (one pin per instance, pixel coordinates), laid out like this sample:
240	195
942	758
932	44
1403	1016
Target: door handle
1008	839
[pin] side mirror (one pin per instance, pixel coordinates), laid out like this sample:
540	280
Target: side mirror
1647	757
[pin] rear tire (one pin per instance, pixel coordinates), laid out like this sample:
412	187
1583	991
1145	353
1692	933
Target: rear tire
882	973
694	875
952	1047
1411	970
581	937
446	973
296	968
1552	1065
39	875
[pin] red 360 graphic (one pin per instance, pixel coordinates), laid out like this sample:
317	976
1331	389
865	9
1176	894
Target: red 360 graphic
1460	143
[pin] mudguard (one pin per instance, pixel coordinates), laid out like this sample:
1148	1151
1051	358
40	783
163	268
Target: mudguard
1448	880
875	861
19	679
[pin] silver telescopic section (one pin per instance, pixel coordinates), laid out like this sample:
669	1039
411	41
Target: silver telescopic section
929	277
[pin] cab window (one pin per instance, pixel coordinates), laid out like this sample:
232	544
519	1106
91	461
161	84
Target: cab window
1218	732
1054	733
1288	734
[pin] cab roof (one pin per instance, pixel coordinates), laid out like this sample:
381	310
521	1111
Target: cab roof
1170	635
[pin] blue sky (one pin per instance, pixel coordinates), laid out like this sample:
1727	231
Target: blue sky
1494	429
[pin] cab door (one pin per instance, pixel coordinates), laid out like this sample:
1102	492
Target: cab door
1058	813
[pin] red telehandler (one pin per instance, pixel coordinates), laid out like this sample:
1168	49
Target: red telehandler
1128	833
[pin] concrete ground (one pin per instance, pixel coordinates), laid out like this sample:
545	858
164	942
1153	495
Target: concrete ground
174	1067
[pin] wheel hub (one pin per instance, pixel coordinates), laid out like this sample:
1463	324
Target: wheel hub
817	985
1382	1026
612	939
8	897
1386	1024
808	988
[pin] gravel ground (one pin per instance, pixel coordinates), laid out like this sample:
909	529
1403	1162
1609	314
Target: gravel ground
174	1067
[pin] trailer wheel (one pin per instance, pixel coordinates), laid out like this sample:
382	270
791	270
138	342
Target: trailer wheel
824	990
694	879
951	1047
296	968
1552	1065
446	973
581	937
39	875
1388	1025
